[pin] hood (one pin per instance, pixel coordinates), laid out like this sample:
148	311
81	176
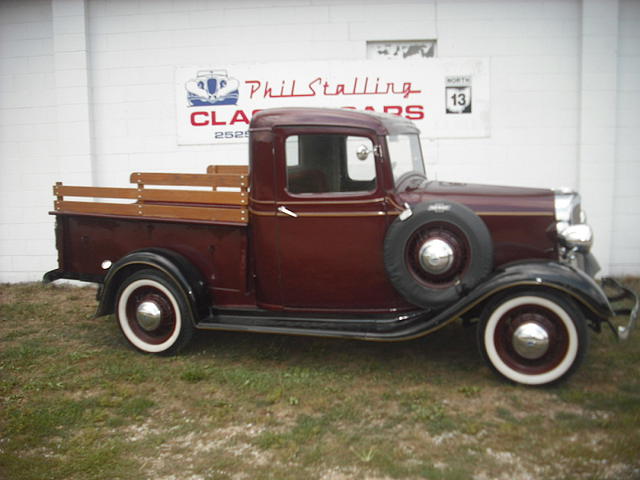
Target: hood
484	198
521	221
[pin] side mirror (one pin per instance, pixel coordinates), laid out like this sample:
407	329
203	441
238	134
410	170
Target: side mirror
362	152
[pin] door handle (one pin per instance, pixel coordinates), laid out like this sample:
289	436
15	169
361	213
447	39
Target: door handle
286	211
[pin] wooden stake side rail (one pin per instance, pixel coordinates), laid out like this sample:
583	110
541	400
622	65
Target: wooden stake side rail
212	214
192	179
208	205
239	169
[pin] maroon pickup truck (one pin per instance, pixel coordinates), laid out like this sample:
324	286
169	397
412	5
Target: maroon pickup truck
334	230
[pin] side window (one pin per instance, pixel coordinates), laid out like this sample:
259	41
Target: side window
329	163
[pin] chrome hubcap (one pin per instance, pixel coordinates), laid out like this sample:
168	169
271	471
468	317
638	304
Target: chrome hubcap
436	256
531	341
148	315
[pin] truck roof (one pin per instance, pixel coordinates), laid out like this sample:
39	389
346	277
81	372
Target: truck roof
381	123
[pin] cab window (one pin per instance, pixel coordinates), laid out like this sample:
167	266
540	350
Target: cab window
327	163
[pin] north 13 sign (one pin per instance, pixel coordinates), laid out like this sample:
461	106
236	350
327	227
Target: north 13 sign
215	103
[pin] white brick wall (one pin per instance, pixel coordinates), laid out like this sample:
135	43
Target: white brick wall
625	251
27	137
87	95
534	50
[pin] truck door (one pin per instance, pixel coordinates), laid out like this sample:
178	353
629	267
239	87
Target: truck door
331	218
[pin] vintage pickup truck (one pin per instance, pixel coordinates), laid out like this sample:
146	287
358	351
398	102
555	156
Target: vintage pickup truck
334	230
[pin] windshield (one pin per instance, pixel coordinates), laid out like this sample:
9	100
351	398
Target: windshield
405	154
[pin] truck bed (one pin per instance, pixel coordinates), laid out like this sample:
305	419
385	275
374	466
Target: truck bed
208	227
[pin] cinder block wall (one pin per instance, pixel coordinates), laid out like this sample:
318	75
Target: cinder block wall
87	96
625	244
28	139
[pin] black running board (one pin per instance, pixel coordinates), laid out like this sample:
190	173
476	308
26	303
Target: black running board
386	327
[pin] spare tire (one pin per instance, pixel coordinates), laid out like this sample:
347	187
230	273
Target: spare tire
438	253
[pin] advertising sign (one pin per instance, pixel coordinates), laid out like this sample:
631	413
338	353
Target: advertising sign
446	98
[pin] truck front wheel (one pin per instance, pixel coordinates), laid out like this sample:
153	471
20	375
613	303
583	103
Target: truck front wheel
533	338
152	313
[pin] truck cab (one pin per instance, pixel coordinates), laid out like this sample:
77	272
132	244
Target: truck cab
319	198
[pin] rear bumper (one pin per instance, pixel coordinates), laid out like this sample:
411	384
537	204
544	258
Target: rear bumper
52	275
57	274
617	293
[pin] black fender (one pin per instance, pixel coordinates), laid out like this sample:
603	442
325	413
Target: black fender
516	276
175	266
551	275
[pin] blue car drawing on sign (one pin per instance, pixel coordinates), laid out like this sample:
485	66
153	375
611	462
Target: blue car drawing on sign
212	87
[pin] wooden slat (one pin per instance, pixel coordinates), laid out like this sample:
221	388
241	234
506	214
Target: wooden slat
191	179
238	169
96	207
101	192
235	215
193	196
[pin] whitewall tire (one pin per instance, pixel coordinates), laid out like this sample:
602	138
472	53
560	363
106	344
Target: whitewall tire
152	313
533	338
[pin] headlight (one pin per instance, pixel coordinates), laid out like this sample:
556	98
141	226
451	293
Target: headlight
573	233
578	237
567	205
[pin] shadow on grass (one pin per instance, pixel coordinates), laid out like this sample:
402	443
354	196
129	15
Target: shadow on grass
452	348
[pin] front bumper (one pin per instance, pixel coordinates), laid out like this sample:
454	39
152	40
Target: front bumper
618	294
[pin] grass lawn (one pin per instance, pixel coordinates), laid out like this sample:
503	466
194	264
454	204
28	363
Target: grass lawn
77	403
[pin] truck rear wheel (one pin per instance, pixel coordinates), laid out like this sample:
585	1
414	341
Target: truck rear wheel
152	313
533	338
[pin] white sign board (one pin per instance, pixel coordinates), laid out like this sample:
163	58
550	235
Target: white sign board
444	97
